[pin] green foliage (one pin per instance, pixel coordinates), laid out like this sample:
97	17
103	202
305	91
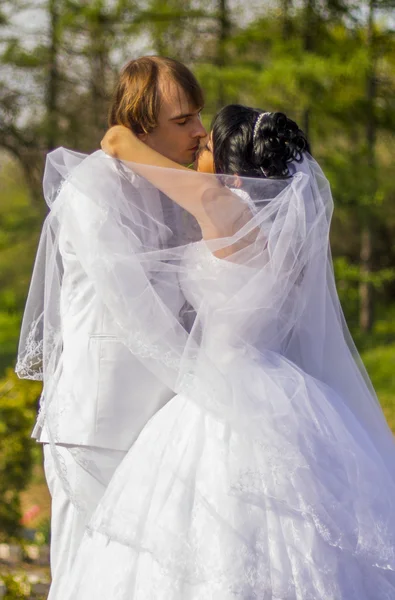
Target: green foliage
17	587
20	224
18	404
43	532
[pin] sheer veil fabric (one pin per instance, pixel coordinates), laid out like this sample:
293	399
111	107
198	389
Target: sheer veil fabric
259	304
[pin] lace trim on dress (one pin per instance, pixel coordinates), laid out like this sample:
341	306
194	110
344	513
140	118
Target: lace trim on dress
31	365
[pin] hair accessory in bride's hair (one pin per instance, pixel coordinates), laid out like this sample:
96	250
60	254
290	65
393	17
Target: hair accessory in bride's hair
257	125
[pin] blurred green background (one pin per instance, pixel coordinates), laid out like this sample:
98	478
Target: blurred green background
330	65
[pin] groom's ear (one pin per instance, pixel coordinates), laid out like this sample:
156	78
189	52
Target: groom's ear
237	182
142	137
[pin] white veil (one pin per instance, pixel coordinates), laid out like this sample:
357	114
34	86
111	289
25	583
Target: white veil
269	294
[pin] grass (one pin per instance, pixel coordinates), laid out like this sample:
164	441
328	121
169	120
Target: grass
380	364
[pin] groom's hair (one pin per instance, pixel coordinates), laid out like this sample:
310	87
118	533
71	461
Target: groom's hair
137	98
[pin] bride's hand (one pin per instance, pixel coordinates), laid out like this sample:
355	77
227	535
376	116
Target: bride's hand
115	139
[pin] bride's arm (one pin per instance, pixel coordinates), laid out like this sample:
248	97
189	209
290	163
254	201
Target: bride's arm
120	142
200	194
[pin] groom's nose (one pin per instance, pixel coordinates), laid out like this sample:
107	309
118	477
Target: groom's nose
198	130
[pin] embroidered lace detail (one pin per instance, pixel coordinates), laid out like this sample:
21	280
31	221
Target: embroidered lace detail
141	345
30	364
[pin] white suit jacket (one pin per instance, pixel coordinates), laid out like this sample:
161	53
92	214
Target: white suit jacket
106	395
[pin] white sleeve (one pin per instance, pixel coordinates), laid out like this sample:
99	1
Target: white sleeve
126	280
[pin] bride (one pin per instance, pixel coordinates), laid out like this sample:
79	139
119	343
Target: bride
271	474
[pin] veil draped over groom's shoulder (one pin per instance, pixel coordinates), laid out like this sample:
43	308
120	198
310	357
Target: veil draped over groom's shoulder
260	288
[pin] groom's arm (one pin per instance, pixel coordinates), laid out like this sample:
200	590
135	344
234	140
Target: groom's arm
115	261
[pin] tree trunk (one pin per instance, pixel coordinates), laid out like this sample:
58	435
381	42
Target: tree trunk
286	6
366	252
53	77
309	25
223	37
365	287
99	68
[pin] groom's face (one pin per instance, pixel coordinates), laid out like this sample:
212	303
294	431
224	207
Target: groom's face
179	130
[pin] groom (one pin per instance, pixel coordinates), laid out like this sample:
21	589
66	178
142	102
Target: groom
160	100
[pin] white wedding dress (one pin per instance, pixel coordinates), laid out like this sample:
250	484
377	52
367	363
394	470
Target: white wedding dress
297	506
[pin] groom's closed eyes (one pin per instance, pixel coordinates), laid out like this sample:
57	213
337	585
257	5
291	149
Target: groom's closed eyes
182	119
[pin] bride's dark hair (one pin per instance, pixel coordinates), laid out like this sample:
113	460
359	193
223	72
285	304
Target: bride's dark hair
250	143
